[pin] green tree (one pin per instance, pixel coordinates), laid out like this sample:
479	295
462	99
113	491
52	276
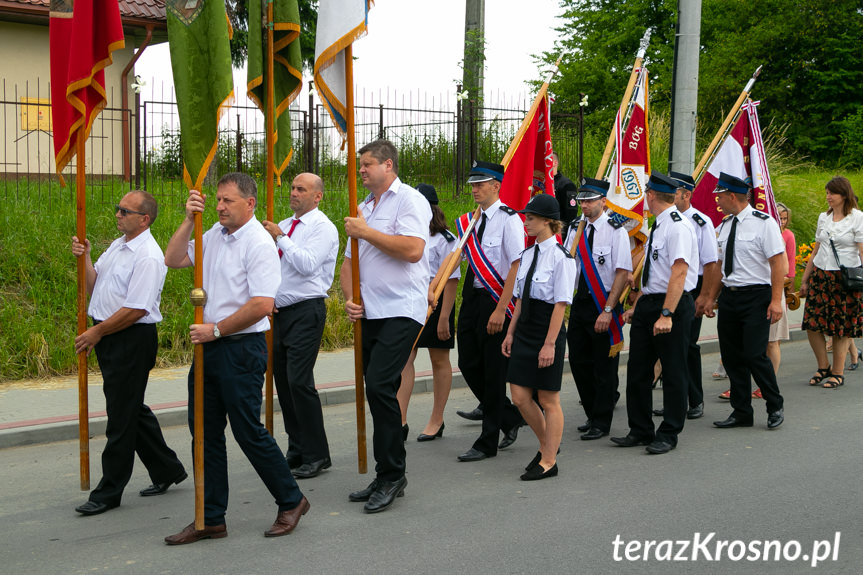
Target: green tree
809	49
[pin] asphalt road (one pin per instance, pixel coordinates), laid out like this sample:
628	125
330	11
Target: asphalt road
797	485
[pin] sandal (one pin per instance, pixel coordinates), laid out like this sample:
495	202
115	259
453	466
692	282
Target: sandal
819	375
838	380
757	394
855	363
725	394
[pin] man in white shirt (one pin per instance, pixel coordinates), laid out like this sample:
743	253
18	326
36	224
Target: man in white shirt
392	229
753	265
125	287
308	245
594	372
661	318
241	277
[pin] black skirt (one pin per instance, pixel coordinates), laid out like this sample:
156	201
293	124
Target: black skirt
429	338
527	342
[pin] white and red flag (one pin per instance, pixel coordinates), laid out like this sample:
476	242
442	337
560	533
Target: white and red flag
741	155
631	167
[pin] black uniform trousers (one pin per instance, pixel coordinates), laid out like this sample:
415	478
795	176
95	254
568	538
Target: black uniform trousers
743	332
670	348
234	369
387	345
297	333
693	357
126	358
595	373
483	366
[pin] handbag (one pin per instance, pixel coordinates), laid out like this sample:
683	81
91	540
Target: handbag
852	278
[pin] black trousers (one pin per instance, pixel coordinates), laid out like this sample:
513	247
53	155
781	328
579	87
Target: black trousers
297	332
595	373
743	332
693	355
484	368
234	369
126	358
670	348
387	345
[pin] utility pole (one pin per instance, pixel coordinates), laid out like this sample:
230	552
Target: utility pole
684	88
474	49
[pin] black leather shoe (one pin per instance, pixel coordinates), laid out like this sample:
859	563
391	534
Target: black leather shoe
775	419
508	438
405	431
593	433
473	415
630	441
160	488
534	462
424	437
537	472
659	412
385	494
472	455
585	426
695	412
365	494
659	447
313	469
733	421
94	508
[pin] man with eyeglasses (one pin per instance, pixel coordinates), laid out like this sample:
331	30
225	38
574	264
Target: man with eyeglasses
125	287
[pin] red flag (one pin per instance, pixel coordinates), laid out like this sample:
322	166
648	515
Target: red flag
529	171
83	34
741	155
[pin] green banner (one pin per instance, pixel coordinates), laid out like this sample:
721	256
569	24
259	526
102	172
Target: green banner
287	69
198	36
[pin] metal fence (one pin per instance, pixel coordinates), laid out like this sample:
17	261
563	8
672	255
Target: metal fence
438	139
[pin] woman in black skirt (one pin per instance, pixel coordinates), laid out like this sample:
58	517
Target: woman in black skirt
536	339
438	335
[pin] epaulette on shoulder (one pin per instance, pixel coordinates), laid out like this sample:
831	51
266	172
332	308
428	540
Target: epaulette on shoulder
614	223
508	210
564	250
698	219
676	216
449	236
760	215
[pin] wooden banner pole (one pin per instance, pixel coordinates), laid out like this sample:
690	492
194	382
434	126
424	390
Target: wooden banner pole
81	230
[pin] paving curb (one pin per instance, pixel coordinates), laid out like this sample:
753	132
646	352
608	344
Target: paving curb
173	416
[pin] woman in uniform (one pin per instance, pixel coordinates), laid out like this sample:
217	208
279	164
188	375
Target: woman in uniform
438	335
536	339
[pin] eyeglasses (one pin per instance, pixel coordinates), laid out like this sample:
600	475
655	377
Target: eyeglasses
126	211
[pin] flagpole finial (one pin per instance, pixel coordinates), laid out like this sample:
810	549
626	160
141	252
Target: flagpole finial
643	43
751	81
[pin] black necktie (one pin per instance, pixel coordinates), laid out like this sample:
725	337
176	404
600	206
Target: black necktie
729	249
648	256
481	227
528	281
590	238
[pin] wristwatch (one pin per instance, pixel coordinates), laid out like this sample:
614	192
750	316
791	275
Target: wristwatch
216	333
607	309
667	312
278	237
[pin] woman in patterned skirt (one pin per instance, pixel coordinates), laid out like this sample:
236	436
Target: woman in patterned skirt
830	309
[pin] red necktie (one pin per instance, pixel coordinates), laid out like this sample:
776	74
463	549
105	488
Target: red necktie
294	223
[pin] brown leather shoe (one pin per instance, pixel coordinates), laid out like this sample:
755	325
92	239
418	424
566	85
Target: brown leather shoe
190	535
286	521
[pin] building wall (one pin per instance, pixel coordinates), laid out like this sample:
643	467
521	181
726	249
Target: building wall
26	146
